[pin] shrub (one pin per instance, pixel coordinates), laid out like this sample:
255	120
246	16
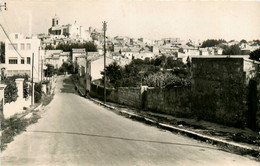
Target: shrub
37	92
10	93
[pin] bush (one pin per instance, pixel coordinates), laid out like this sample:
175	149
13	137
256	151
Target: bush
10	93
37	92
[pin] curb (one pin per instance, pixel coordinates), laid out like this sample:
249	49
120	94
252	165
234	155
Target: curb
224	145
78	89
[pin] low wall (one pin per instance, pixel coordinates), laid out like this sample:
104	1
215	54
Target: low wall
124	95
173	100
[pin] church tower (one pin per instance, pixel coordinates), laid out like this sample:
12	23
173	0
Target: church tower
55	21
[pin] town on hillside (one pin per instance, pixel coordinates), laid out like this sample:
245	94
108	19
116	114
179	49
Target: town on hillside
77	95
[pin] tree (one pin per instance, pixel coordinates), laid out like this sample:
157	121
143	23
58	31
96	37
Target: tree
2	52
232	50
255	55
49	47
212	42
49	72
10	93
161	79
242	41
181	50
113	74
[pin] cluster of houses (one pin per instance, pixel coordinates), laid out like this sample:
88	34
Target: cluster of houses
24	55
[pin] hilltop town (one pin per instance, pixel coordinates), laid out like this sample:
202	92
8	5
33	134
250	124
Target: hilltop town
67	97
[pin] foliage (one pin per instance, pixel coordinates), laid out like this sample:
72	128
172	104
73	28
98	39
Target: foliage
66	67
37	92
10	93
255	55
242	41
49	47
161	79
2	52
256	42
49	72
232	50
113	73
181	50
89	46
132	74
25	83
212	42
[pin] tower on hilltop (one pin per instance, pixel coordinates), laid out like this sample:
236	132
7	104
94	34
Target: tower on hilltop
55	20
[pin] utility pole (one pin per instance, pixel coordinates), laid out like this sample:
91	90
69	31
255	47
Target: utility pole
32	99
3	6
104	29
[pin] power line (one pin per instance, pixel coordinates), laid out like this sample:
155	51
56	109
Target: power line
13	44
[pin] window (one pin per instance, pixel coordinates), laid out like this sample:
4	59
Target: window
16	36
28	60
28	46
22	61
22	46
12	61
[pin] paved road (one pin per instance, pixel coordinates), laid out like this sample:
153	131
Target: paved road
76	131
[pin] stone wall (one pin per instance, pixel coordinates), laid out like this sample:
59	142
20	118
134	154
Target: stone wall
124	95
172	100
218	90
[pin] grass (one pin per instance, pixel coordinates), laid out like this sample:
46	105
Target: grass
18	123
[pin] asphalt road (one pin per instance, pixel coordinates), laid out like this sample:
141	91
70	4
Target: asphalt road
76	131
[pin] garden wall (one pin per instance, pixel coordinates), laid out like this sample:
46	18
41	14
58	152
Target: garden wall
124	95
218	90
172	100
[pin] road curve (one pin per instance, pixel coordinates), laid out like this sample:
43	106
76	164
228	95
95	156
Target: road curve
75	131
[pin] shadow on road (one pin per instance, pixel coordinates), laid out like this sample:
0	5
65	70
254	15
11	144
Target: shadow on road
67	86
121	138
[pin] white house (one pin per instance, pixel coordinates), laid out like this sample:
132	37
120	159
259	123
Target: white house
18	56
94	67
78	52
72	31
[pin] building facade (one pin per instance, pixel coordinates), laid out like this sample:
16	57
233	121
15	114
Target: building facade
19	56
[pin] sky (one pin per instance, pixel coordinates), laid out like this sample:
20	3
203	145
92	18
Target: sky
153	19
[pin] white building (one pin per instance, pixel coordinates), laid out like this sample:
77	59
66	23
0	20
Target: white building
72	31
95	65
56	57
18	56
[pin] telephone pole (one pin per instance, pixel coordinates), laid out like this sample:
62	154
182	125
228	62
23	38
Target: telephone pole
104	29
32	96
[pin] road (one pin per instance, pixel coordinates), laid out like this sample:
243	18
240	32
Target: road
74	131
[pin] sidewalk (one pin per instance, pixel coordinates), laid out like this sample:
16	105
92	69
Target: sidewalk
235	140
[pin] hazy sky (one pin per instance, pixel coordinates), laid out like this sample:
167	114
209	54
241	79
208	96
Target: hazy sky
144	18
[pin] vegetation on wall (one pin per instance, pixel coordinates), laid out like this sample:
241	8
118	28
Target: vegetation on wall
163	69
89	46
255	55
